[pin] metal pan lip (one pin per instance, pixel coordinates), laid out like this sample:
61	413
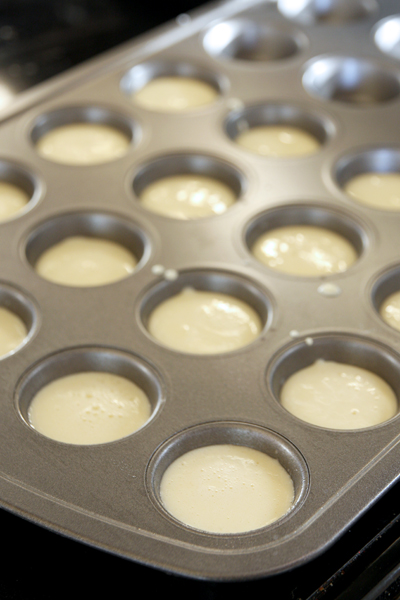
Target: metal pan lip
386	36
340	346
209	433
213	279
79	359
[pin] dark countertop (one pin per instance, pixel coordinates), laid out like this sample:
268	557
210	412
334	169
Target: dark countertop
39	39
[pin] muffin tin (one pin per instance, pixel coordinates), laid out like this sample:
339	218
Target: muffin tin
333	71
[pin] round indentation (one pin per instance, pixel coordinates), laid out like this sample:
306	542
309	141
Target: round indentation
278	130
350	80
202	312
310	12
89	395
19	191
337	382
371	177
171	87
188	186
251	478
86	249
387	36
242	39
83	135
18	320
386	297
305	240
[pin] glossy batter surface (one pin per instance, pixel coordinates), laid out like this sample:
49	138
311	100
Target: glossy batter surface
304	250
338	396
175	94
202	322
84	262
83	144
188	196
226	489
278	141
379	190
89	408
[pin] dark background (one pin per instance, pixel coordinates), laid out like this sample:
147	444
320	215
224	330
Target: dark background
39	39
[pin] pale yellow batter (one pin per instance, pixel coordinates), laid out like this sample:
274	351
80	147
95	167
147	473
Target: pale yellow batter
89	408
304	250
85	262
12	331
280	141
226	489
201	322
379	190
83	144
390	310
175	94
188	196
338	396
13	199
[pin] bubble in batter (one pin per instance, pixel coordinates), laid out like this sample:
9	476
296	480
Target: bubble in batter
188	196
280	141
84	262
226	489
13	200
175	94
83	144
379	190
304	250
338	396
390	310
13	331
202	322
89	408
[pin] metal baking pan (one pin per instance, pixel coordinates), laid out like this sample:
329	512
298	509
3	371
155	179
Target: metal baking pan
326	71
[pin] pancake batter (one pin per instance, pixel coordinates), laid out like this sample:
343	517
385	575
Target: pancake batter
13	199
226	489
83	144
304	250
89	408
175	94
12	331
188	196
379	190
278	141
390	310
338	396
202	322
85	261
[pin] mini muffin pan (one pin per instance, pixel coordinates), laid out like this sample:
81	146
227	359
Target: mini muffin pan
331	68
